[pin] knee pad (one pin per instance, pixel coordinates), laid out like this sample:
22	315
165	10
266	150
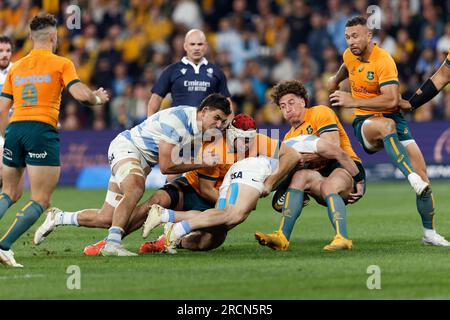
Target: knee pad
126	169
172	191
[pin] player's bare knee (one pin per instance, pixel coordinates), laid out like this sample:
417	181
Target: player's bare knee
388	127
301	180
327	188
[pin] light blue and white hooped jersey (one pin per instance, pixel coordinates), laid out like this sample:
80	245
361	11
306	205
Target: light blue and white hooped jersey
176	126
303	143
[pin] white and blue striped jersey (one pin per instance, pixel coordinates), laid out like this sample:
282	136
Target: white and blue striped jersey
303	143
177	126
3	74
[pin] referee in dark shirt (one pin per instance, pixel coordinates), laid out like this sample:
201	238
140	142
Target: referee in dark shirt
191	79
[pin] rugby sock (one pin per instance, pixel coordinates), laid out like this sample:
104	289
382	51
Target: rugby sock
167	215
337	214
115	236
25	218
293	205
5	203
425	206
67	218
180	229
397	154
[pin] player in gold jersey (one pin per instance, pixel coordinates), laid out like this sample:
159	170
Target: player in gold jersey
378	123
331	186
34	86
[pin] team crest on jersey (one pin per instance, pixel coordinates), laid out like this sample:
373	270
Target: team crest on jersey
209	72
370	75
183	71
405	131
310	130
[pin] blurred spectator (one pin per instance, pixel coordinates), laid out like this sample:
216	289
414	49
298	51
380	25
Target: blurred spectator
427	63
121	79
70	119
188	14
319	38
298	24
444	41
386	42
124	46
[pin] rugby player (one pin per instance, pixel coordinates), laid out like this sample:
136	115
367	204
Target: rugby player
159	139
34	85
331	186
245	182
378	123
196	190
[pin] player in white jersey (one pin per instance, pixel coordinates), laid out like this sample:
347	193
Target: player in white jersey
132	154
6	47
245	182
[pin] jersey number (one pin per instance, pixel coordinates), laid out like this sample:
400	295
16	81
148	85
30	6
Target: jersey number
29	95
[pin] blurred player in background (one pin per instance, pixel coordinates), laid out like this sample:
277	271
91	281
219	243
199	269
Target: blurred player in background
6	48
429	88
132	154
331	185
34	86
190	80
378	123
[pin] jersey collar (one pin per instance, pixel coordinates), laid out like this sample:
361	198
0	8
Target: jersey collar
195	66
41	51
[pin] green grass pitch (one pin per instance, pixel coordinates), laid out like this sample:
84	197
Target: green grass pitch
384	226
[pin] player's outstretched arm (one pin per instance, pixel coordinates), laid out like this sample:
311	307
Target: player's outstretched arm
5	105
341	75
288	159
86	96
429	89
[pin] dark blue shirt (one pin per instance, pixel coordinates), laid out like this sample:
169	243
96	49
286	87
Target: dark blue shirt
189	84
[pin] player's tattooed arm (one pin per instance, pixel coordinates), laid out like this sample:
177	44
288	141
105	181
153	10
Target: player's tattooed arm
341	75
388	100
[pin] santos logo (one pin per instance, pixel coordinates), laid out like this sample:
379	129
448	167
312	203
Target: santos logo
37	155
32	79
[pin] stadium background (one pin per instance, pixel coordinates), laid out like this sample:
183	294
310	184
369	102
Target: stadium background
124	46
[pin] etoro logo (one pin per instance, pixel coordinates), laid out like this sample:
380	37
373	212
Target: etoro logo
42	155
